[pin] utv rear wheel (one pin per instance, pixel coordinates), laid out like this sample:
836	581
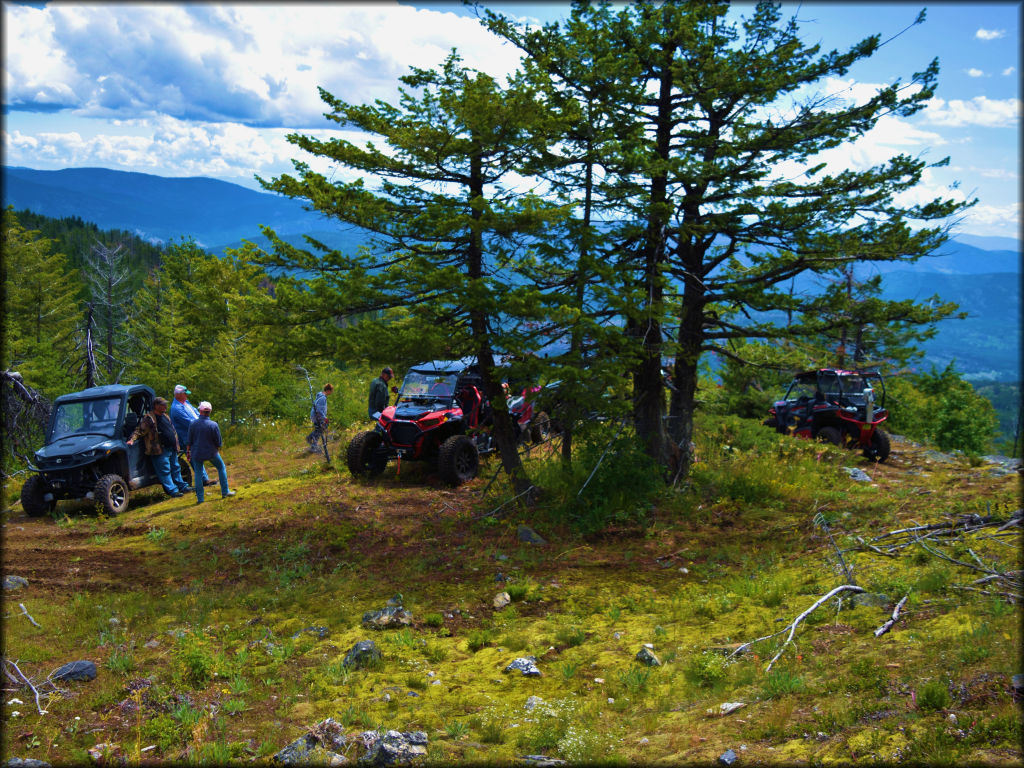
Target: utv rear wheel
829	435
186	469
361	456
33	497
541	428
879	446
112	493
458	460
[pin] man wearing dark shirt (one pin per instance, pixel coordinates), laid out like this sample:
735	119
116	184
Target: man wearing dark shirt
204	445
161	445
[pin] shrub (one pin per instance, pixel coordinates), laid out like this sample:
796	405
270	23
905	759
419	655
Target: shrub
707	669
933	695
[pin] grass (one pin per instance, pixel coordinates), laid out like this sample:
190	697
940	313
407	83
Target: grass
223	593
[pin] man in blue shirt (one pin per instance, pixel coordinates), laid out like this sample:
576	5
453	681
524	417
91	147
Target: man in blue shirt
183	413
204	445
318	415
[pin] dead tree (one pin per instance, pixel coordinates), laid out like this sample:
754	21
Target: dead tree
26	413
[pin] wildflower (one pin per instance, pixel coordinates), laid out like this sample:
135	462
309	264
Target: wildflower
15	701
15	713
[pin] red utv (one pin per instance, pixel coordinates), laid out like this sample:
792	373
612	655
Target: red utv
837	407
440	415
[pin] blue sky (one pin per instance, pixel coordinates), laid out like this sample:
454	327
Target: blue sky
180	89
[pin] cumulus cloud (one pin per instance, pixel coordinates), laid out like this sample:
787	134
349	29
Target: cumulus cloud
255	64
171	147
972	72
990	34
980	111
1008	71
1003	220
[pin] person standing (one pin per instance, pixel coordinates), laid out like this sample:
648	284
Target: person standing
161	445
378	399
318	415
204	445
183	413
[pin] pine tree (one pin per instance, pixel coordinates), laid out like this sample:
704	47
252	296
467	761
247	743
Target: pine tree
718	230
447	228
40	308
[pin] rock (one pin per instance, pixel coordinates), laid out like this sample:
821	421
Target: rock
1017	687
858	474
532	702
395	601
542	760
525	664
726	708
154	643
387	618
26	762
500	577
12	583
76	670
646	656
727	758
527	535
362	654
393	747
502	599
320	746
320	632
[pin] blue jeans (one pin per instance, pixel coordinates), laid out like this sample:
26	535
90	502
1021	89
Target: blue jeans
169	473
222	474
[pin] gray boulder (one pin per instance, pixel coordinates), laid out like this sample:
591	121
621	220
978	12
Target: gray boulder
26	762
859	475
727	758
387	618
646	656
542	760
75	670
525	664
363	653
393	747
12	583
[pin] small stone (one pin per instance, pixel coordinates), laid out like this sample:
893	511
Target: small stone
113	621
858	475
502	599
599	680
76	670
727	708
727	758
649	646
14	582
154	643
952	717
684	571
617	635
611	700
500	556
436	682
645	740
104	753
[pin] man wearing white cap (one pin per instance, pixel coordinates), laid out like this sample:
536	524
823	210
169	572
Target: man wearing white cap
183	413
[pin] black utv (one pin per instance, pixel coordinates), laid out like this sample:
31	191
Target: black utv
86	455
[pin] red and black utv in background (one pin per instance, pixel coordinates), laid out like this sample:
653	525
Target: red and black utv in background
841	407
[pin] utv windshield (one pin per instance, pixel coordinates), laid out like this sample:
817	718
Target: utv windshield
82	417
428	386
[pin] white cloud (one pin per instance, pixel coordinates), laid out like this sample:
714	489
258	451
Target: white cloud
981	111
972	72
1001	220
170	147
257	64
1008	71
990	34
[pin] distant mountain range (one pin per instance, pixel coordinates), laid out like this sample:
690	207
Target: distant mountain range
981	274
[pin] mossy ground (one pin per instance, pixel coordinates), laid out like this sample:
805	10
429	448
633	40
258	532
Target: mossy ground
197	615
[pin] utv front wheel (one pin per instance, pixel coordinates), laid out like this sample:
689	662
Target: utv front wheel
458	460
33	497
829	435
880	448
361	455
112	493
